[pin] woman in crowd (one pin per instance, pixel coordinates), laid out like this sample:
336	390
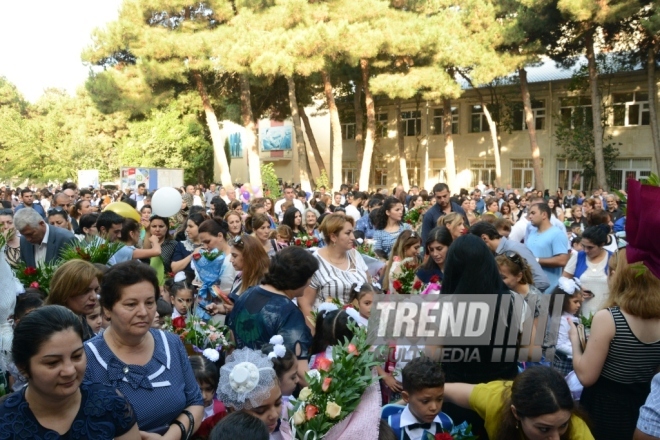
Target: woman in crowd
261	228
310	228
406	246
270	209
264	311
557	211
340	266
46	199
75	285
48	351
250	262
13	247
515	210
436	247
148	366
454	222
87	232
145	218
218	208
130	233
80	208
184	250
159	227
293	219
578	216
600	217
198	198
388	226
58	217
214	235
590	266
623	352
537	405
492	207
234	220
415	202
505	210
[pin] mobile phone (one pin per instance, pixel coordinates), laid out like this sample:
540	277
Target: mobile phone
582	335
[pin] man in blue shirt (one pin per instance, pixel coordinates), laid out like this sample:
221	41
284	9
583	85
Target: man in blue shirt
442	207
547	243
27	196
365	224
476	196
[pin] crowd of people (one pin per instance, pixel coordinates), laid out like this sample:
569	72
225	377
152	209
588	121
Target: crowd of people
93	357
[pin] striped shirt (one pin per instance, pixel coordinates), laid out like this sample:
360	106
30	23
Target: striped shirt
332	282
384	240
629	360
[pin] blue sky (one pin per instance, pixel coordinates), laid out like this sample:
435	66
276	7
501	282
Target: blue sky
42	49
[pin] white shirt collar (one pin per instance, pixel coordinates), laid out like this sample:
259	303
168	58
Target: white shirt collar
407	418
45	239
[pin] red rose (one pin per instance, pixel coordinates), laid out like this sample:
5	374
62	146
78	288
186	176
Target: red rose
197	256
435	279
443	436
325	364
298	241
311	411
417	285
316	240
34	285
326	384
29	271
397	285
179	322
308	243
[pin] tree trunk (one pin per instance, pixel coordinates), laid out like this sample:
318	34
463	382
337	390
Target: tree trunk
254	168
359	132
335	125
371	128
312	140
450	163
601	177
303	163
531	130
403	167
214	129
653	96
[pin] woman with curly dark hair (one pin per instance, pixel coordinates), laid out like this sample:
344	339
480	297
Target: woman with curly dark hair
389	224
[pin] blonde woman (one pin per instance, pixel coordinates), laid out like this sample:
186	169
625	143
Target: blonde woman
454	222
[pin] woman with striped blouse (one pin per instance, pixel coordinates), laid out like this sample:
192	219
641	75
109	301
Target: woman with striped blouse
340	266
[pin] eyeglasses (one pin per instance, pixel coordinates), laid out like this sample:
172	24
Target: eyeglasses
515	258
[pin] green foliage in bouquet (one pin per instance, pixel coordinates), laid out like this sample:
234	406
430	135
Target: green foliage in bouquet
365	248
95	252
36	277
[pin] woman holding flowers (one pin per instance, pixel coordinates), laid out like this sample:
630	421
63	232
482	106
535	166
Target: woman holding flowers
340	266
310	228
159	227
293	219
389	224
185	249
405	251
250	262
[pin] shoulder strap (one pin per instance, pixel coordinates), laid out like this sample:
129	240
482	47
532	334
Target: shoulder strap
447	422
395	423
581	264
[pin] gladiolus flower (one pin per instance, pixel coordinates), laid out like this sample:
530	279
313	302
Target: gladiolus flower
311	411
325	364
326	384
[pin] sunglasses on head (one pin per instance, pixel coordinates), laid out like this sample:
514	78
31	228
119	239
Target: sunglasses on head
238	241
515	258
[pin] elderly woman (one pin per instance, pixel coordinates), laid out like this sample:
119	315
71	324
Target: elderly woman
75	285
148	366
340	266
57	403
311	223
13	248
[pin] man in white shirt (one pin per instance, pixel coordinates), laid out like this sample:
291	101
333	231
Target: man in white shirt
289	196
352	208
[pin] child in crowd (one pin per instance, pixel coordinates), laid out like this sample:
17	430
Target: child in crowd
262	398
95	319
406	246
207	377
362	298
423	391
283	235
240	424
183	299
25	303
573	297
285	364
576	244
331	328
163	310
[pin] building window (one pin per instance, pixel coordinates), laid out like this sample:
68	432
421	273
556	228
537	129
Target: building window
382	122
438	123
478	121
349	172
482	170
412	123
413	167
570	175
625	169
348	131
576	111
631	109
522	172
380	173
518	115
438	172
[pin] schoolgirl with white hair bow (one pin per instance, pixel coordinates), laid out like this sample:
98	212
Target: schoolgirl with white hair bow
573	298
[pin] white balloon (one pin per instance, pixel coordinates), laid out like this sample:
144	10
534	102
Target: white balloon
166	202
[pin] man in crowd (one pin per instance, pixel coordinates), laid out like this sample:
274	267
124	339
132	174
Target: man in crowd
210	193
476	196
501	245
441	207
27	197
61	200
140	195
353	208
71	190
547	243
40	243
343	190
365	224
289	196
190	190
86	195
528	188
613	207
109	225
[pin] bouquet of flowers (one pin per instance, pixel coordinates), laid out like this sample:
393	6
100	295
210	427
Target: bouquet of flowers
36	277
97	251
306	241
460	432
433	286
335	389
209	267
199	334
415	215
365	248
404	276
